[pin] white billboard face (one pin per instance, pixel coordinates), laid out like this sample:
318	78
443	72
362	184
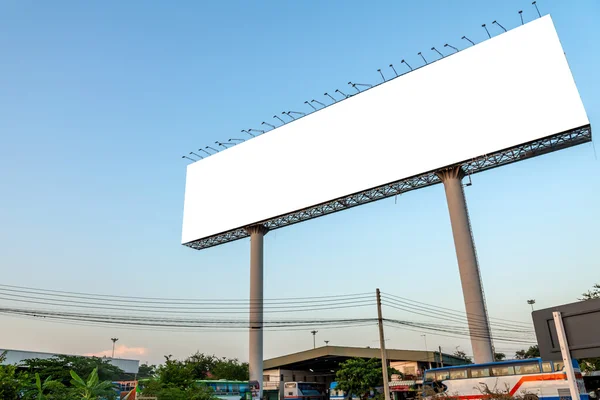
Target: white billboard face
509	90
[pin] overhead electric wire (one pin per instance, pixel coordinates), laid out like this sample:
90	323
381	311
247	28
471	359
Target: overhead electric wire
285	300
426	305
475	332
212	310
211	307
441	316
450	335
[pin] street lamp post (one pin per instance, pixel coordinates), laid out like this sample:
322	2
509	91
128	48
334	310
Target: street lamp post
114	340
531	302
314	333
427	351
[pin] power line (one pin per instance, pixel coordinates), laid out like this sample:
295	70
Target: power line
227	306
426	305
177	300
441	316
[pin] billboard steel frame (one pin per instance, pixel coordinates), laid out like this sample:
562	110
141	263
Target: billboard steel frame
570	138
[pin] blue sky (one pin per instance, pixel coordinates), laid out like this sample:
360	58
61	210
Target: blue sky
99	100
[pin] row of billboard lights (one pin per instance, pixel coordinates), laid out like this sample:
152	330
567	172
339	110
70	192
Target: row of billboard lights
233	141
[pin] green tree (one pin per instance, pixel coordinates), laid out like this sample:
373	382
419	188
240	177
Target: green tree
225	368
93	388
499	356
461	354
532	352
58	367
591	294
12	382
146	371
176	374
359	376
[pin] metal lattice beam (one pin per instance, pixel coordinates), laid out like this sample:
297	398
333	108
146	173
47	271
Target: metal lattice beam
485	162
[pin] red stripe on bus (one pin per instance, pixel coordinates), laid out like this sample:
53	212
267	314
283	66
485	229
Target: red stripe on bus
545	377
535	378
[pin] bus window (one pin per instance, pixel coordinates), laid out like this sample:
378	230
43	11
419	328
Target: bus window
547	366
441	375
529	368
558	366
480	372
458	373
503	370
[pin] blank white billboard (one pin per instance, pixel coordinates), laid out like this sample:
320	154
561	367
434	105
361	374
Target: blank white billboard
509	90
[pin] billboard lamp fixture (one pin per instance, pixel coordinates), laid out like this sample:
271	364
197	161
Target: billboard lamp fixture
486	29
248	132
191	159
255	130
404	62
470	183
381	73
452	47
288	114
204	151
392	67
223	144
437	51
264	123
197	155
354	86
275	116
342	93
421	54
315	101
521	15
500	25
297	112
537	9
332	98
313	107
362	84
466	38
215	150
239	140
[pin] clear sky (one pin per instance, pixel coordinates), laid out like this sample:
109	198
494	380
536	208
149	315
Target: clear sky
99	101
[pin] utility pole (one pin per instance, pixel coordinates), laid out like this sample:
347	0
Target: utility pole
441	357
314	333
384	370
114	340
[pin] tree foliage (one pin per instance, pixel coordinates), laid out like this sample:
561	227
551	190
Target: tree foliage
12	382
146	371
59	368
532	352
591	294
92	388
499	356
359	376
178	378
461	354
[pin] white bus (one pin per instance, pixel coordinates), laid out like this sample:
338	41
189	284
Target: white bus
304	391
532	379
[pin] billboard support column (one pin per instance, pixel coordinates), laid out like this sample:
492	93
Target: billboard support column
468	267
255	357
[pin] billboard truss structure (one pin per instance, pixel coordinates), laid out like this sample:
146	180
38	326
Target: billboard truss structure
486	162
